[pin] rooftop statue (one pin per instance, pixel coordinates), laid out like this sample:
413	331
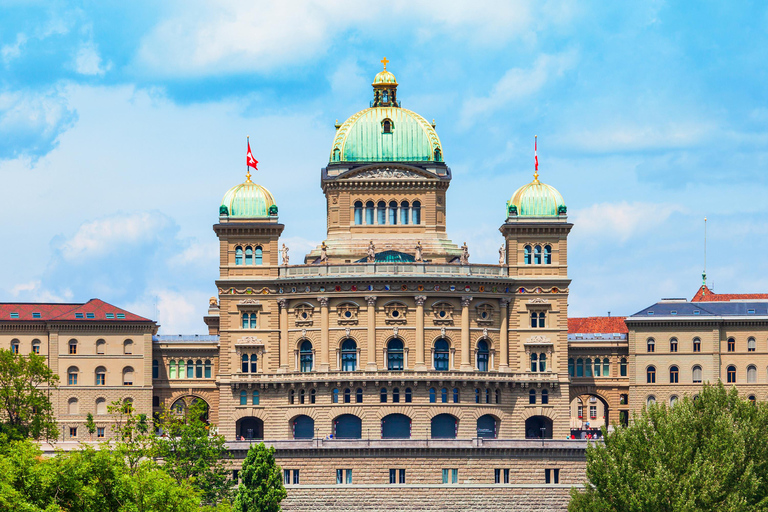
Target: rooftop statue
285	255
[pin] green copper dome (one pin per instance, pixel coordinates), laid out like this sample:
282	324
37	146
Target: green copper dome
386	134
537	199
248	200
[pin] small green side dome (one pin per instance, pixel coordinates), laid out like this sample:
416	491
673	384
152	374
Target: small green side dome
386	134
537	199
248	200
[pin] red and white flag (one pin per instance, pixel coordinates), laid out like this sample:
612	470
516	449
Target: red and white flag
249	160
535	151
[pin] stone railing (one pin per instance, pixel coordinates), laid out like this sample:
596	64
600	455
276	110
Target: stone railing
403	269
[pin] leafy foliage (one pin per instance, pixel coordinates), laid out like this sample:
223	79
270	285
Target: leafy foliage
261	489
25	409
704	454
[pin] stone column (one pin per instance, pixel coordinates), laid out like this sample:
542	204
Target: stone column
324	357
371	300
420	366
466	364
283	304
504	335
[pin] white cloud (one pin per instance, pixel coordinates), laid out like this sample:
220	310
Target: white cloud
200	254
11	51
620	220
519	83
34	291
630	136
88	61
111	234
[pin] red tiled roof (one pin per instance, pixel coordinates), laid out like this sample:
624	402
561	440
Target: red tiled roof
64	311
597	324
706	295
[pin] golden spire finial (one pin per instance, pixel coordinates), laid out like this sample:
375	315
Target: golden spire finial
536	158
385	62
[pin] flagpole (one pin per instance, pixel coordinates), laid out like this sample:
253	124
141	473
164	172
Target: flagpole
247	168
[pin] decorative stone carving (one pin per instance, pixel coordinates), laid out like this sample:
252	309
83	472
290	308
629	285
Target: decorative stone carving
420	300
371	300
504	302
213	302
538	338
249	302
323	302
323	252
250	341
303	333
464	258
371	252
485	333
394	331
387	173
418	257
465	300
347	331
283	303
501	255
538	300
442	332
284	252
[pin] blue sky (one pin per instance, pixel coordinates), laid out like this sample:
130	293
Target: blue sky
123	124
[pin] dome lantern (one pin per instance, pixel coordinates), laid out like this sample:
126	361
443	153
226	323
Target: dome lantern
248	200
536	199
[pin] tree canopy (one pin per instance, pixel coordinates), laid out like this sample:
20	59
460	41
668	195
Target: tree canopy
704	454
261	488
25	409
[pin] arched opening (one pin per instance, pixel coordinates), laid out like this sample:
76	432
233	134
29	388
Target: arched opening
249	428
482	355
258	256
444	426
416	212
249	255
381	211
182	405
358	213
396	426
527	254
538	427
395	354
303	427
393	212
73	406
347	426
588	414
369	213
349	355
305	356
404	208
441	355
487	427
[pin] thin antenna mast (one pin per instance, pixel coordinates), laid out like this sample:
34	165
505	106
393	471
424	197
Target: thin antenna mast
704	274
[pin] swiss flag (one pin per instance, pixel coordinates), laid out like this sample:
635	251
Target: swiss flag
249	160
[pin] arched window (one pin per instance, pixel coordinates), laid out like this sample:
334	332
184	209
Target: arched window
101	347
101	376
303	427
254	363
73	406
208	367
249	255
751	345
538	319
534	361
128	376
383	395
238	255
395	395
416	212
486	427
751	374
537	255
672	400
305	356
487	395
731	345
579	367
650	375
72	347
532	396
359	395
444	426
543	362
312	395
349	355
404	207
477	395
335	395
72	373
482	356
597	367
623	367
381	209
396	426
302	395
408	395
128	347
101	406
243	397
358	213
190	369
673	345
588	367
527	252
258	256
199	369
36	346
696	345
15	346
393	212
571	367
432	395
395	354
650	400
386	124
244	363
455	395
444	395
544	396
155	369
369	216
547	254
498	395
731	374
442	356
752	399
291	396
674	373
385	96
347	426
697	374
347	396
606	367
255	397
651	345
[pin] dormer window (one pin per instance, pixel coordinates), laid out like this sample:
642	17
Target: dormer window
386	124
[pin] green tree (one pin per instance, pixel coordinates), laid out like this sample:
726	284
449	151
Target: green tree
133	434
704	454
261	489
192	452
90	425
25	407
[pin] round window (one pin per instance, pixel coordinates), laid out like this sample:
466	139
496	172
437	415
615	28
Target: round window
348	314
395	314
442	314
304	315
484	314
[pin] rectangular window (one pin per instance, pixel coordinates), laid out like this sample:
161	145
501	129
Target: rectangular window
14	315
343	476
235	474
287	476
446	473
15	348
454	476
73	348
393	476
506	476
497	476
90	315
401	474
110	315
295	476
556	476
36	348
581	411
552	476
547	476
101	379
36	315
72	432
121	316
72	381
79	315
99	432
593	411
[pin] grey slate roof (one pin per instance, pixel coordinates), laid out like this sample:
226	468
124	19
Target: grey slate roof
703	309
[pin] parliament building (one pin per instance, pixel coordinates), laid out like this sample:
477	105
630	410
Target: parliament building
388	370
